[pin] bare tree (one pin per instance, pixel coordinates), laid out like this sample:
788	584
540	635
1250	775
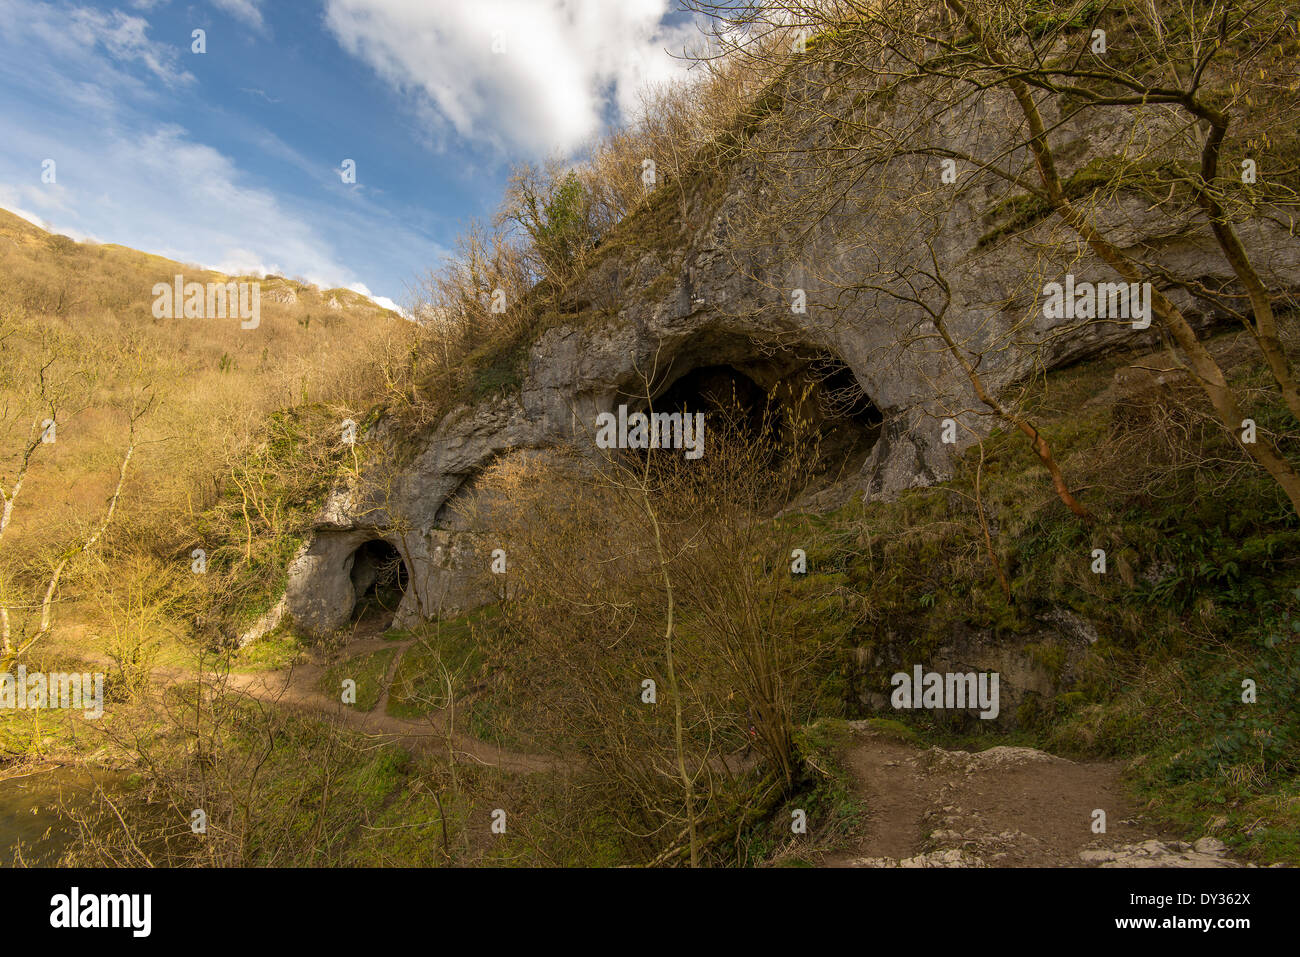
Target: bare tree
657	620
879	89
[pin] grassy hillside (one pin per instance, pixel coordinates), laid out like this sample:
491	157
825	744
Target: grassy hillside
227	407
1200	593
661	686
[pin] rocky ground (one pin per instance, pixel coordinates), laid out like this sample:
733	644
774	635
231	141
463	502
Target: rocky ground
1004	807
925	807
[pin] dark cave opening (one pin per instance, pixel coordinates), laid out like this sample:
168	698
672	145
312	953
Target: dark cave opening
379	578
718	389
758	395
849	422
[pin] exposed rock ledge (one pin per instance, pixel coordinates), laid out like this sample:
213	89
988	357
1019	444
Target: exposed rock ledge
700	305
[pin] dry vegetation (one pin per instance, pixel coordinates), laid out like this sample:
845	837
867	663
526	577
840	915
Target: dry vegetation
511	278
204	407
657	624
650	570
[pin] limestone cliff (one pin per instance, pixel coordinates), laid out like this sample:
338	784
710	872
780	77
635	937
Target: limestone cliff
683	288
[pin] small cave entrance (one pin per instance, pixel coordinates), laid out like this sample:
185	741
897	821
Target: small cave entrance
379	578
759	392
848	422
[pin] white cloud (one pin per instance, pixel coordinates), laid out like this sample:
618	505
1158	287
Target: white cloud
83	77
82	32
146	186
10	202
249	11
384	301
86	97
559	63
83	59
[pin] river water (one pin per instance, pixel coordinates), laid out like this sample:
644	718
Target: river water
30	815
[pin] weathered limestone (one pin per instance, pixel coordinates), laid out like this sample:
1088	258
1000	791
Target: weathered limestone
689	306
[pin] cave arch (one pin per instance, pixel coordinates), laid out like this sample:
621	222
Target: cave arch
379	579
848	419
763	386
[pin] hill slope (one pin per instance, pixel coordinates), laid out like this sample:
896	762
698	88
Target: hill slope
80	345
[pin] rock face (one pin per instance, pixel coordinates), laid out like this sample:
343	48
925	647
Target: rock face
281	293
1032	669
702	298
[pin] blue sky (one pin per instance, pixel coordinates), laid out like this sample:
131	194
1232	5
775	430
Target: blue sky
231	158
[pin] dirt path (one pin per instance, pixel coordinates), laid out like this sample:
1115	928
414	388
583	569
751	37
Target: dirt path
438	732
1004	807
298	687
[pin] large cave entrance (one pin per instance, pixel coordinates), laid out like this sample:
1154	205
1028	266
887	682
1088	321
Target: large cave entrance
720	390
379	578
762	392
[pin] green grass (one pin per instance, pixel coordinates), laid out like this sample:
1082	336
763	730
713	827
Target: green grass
1200	593
1205	759
894	729
1200	580
444	651
279	649
367	671
827	796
